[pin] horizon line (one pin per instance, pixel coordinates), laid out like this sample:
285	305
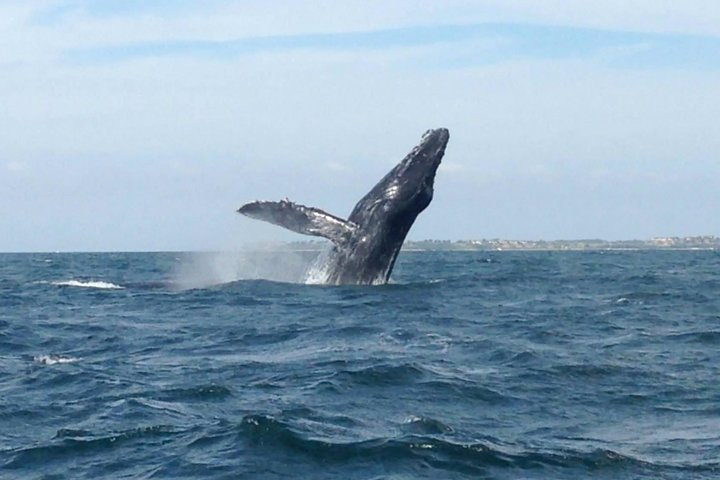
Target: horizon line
653	243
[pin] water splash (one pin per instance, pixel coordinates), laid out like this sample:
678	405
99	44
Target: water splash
201	270
317	273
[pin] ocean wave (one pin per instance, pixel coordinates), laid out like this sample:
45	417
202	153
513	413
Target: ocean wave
469	390
87	284
710	337
197	393
68	443
425	425
430	380
653	297
440	452
383	374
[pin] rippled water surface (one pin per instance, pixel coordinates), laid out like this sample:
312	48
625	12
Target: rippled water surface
470	365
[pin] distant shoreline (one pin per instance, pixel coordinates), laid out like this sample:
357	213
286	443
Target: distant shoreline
608	249
706	242
697	243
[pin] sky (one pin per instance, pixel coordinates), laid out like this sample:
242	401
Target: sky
142	126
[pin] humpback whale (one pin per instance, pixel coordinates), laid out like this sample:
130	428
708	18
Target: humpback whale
366	244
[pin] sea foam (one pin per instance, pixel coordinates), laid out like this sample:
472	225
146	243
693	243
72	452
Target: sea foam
53	359
87	284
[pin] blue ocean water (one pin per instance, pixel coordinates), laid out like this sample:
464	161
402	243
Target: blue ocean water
536	365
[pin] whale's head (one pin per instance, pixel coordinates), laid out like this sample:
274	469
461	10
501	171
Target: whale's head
413	180
384	216
408	188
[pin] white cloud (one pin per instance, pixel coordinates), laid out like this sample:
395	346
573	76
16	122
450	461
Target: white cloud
337	167
452	168
696	17
36	29
619	52
16	167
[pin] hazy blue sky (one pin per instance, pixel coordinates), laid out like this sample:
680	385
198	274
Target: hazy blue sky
136	125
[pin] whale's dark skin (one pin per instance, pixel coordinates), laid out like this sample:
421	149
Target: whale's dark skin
366	245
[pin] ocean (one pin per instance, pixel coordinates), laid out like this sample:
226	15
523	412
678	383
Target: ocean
497	365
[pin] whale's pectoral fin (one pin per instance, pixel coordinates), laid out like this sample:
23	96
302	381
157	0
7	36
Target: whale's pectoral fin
301	219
